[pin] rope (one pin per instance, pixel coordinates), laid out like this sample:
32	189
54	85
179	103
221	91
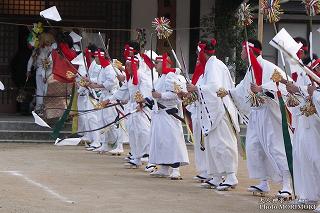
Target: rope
99	29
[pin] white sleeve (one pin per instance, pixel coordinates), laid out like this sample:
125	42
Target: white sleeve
30	63
110	80
145	85
316	100
239	94
171	80
121	94
169	95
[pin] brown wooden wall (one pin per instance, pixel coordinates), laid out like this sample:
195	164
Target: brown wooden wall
113	14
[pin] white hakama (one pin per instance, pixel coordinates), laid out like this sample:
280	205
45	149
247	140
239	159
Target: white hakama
167	145
218	129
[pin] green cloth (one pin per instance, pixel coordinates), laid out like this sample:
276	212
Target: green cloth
286	135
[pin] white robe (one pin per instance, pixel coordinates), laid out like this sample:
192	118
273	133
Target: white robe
266	157
81	102
199	155
108	79
306	148
93	118
302	80
219	136
167	145
138	123
316	100
41	72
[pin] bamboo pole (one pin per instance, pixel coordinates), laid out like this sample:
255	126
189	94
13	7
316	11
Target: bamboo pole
260	23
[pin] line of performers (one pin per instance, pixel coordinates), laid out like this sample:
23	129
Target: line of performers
151	92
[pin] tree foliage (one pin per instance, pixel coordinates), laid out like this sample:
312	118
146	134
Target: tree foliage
221	24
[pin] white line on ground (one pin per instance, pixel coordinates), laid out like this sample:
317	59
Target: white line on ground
45	188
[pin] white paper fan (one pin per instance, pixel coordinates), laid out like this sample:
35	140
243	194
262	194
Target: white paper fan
39	120
51	13
284	39
67	142
78	60
75	37
1	86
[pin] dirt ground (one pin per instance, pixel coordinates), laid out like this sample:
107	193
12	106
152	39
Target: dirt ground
45	178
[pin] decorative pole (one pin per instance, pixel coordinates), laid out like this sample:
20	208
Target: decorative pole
312	9
260	22
272	11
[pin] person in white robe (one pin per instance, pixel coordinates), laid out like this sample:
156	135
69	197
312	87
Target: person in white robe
42	62
93	119
137	88
81	101
316	102
167	144
306	146
218	121
266	156
199	154
298	75
108	84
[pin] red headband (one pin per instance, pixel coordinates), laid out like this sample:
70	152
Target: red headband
97	53
315	64
165	69
103	61
127	50
256	66
88	57
252	47
201	46
134	69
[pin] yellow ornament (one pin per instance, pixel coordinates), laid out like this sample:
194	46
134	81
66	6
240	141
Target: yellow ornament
138	97
276	76
221	93
308	109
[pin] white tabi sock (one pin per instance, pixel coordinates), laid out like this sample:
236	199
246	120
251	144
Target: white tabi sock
286	181
231	179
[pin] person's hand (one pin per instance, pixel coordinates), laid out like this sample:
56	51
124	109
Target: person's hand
255	88
121	78
182	94
124	102
89	84
139	107
284	81
105	103
156	94
44	80
311	89
117	64
28	74
291	88
191	88
141	101
94	85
